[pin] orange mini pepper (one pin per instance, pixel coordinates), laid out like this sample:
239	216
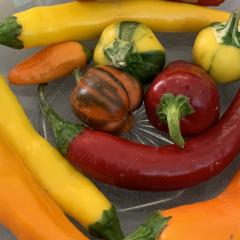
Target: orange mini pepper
51	63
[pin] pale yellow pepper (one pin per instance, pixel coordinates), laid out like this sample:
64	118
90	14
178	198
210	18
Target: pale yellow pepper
86	20
74	193
217	50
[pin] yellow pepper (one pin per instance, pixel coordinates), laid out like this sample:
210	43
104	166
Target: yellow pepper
86	20
74	193
217	50
25	208
32	215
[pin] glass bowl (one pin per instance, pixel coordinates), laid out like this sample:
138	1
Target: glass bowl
133	206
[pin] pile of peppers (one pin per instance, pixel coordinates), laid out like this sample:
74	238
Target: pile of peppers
181	99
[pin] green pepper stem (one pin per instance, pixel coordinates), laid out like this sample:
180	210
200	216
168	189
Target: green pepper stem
89	54
64	131
229	34
151	229
170	111
117	52
10	30
108	227
77	74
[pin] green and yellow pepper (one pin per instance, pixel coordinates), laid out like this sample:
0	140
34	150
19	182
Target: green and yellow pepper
217	50
133	47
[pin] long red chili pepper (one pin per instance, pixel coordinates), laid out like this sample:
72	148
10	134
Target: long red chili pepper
130	165
202	2
198	2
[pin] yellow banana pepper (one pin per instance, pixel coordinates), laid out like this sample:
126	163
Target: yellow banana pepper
74	193
217	50
34	216
25	208
86	20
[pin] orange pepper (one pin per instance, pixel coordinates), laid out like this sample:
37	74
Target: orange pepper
51	63
215	219
25	208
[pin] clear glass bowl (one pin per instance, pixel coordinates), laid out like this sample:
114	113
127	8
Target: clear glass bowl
133	206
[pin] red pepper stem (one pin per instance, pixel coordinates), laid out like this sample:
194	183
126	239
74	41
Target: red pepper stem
64	131
170	111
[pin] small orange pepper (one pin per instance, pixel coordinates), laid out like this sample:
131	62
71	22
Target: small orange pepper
51	63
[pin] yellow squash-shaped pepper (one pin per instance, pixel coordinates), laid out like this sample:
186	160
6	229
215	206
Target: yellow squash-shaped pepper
133	47
25	208
86	20
217	49
73	192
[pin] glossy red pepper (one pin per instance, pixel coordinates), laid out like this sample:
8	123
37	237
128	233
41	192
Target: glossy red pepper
202	2
130	165
183	99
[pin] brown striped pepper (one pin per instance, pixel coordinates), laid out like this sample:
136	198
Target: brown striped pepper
105	97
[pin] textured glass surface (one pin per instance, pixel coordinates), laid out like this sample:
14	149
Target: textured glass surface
133	206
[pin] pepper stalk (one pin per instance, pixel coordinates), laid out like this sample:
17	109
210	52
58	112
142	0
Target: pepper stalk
151	229
170	111
64	131
228	34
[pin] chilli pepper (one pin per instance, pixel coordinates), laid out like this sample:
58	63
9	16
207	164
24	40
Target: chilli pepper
51	63
217	49
71	190
25	208
135	166
202	2
198	2
183	100
75	21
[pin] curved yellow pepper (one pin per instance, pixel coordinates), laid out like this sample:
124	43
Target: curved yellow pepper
86	20
74	193
217	50
25	208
